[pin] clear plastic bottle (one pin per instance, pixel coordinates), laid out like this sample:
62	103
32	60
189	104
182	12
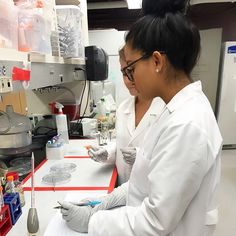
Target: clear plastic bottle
1	198
10	188
1	204
18	186
3	181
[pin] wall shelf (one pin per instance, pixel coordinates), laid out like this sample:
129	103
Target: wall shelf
45	70
193	2
67	2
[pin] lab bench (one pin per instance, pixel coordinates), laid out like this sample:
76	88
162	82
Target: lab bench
89	179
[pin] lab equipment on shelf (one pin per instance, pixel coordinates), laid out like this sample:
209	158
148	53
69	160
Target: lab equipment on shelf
70	31
8	25
34	28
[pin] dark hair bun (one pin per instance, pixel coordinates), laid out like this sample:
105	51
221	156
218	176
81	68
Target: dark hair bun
161	7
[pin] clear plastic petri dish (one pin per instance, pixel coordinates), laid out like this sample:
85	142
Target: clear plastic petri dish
63	167
21	165
56	178
21	161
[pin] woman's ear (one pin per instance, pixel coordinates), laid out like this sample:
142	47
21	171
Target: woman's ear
158	60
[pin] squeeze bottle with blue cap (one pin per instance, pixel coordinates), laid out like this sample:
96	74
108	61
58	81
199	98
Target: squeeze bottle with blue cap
61	121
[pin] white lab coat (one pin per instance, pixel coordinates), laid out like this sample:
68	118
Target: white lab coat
174	179
128	135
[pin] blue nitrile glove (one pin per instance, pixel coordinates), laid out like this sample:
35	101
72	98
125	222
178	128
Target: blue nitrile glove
129	155
98	154
77	217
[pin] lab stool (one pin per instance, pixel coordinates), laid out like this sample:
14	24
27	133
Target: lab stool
5	220
13	201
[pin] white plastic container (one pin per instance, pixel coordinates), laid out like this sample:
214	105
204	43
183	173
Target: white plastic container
34	29
70	31
101	108
50	11
8	25
54	152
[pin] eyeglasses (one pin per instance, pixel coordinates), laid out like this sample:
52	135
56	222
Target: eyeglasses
128	70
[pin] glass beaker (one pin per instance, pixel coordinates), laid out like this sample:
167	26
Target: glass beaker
104	132
97	136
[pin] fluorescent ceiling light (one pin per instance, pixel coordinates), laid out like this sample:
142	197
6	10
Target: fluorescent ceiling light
134	4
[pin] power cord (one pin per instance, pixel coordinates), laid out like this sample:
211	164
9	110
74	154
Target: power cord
76	126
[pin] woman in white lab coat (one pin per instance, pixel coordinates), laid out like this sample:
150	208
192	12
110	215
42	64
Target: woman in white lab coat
173	183
133	117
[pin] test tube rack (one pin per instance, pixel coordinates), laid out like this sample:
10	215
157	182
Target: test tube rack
5	220
13	201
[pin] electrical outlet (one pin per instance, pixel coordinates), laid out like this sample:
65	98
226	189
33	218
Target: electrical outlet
9	85
5	84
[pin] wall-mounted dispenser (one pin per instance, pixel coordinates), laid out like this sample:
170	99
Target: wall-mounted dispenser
96	63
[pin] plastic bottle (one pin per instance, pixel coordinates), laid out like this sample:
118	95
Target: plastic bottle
3	183
10	188
61	121
18	186
1	198
1	204
101	108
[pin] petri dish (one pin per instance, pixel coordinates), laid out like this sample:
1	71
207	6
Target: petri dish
21	161
56	178
21	165
63	167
